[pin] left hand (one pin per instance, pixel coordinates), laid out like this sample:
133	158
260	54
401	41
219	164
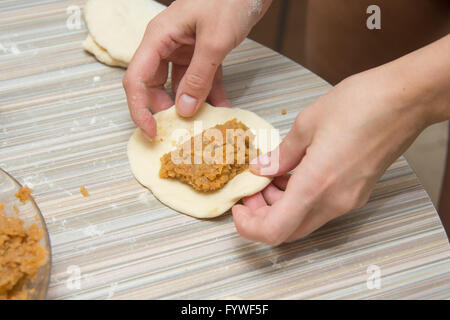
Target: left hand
195	36
339	146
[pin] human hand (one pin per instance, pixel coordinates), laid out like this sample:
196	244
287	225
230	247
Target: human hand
339	146
195	35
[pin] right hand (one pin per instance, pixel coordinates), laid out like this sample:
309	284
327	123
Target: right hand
195	35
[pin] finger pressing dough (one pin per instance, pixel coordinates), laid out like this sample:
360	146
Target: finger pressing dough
144	157
116	28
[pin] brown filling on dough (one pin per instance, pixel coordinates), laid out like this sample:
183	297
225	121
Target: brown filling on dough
225	152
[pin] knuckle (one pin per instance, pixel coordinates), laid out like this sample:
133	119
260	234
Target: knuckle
273	236
342	202
299	119
321	181
217	47
298	124
273	239
301	123
351	199
195	81
153	22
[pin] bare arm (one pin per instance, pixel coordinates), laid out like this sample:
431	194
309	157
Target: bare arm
195	35
341	145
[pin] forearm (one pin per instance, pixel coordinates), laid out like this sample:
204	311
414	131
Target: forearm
420	82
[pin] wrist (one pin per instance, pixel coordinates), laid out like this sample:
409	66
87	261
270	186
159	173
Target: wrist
384	97
416	85
405	96
420	82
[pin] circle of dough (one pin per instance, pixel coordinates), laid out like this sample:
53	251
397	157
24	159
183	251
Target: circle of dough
144	157
119	25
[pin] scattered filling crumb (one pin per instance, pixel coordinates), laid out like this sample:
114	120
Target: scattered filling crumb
16	209
225	153
21	255
84	191
23	194
283	111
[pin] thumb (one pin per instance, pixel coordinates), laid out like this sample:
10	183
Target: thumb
196	83
286	156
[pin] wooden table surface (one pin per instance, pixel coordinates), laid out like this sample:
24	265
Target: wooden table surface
64	123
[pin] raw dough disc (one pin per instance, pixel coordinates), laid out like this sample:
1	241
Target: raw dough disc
144	157
117	27
101	54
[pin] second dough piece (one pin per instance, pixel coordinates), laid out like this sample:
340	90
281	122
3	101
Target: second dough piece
116	28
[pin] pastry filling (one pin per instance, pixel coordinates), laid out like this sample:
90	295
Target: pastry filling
209	160
21	255
23	194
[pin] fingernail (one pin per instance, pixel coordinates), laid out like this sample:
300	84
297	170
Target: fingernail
186	105
261	161
264	160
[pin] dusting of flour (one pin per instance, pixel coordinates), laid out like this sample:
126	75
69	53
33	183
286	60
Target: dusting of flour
255	7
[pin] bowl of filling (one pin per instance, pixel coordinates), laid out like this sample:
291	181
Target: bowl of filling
25	256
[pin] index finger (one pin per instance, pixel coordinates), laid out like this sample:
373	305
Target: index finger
144	83
274	224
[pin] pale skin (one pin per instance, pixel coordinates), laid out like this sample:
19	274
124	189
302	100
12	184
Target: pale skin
338	147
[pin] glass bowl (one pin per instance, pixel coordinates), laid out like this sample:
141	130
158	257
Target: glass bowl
29	212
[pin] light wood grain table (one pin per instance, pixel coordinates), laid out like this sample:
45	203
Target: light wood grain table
64	123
